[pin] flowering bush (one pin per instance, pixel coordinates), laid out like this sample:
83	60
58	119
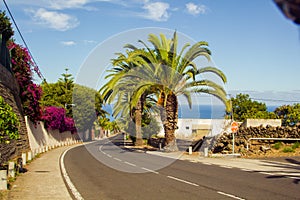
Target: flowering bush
55	118
30	93
70	124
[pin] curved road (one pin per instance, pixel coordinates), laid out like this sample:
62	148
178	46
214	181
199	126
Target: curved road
102	170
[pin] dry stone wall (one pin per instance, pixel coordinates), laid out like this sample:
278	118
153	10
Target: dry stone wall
224	142
10	92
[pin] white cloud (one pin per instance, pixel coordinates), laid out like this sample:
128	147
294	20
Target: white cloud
157	11
68	43
89	42
194	9
55	20
62	4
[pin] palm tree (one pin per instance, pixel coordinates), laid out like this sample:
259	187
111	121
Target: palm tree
168	74
114	90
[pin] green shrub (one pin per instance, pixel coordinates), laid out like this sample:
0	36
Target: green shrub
288	150
296	145
277	145
9	122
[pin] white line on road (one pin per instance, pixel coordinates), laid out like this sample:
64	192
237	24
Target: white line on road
230	195
294	177
246	170
266	173
206	163
118	159
71	186
224	166
108	155
128	163
183	181
149	170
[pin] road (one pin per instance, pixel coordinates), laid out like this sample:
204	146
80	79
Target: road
102	170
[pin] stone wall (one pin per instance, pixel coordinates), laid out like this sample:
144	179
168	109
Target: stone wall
10	92
261	122
224	143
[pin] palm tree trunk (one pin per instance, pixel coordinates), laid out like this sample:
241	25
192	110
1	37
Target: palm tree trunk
170	123
138	123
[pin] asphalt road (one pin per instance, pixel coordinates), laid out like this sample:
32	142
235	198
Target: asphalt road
102	170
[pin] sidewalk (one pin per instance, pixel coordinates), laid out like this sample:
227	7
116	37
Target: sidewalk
43	180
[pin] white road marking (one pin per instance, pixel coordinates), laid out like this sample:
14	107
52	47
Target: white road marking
230	195
118	159
108	155
71	186
246	170
266	173
128	163
206	163
149	170
294	177
183	181
225	166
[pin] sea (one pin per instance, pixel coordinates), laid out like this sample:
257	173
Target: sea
197	111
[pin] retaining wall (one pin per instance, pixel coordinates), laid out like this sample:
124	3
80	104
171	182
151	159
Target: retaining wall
9	90
40	137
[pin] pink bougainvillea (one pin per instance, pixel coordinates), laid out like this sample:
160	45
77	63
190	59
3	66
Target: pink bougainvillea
30	93
55	118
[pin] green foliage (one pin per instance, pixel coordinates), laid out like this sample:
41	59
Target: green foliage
5	24
288	150
150	127
244	108
277	145
296	145
82	103
9	122
59	94
290	114
87	107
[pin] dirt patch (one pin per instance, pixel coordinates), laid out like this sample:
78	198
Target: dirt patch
275	150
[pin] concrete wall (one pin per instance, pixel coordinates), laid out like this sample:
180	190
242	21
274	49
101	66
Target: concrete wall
186	127
262	122
39	137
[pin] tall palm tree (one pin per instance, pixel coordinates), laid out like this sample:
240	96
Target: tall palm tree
168	74
113	90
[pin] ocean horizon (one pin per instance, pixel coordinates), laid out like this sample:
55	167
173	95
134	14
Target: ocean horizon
197	111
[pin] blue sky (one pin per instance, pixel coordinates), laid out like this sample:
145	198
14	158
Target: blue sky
251	41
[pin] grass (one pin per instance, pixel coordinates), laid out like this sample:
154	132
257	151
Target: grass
296	145
288	150
277	145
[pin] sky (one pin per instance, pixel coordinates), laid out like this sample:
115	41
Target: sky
251	41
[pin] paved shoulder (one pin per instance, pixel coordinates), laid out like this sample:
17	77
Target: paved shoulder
43	179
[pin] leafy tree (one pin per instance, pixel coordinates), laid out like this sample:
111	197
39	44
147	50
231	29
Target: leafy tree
68	96
245	108
6	33
59	94
5	24
87	107
290	114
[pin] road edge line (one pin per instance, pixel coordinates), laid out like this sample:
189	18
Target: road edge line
66	177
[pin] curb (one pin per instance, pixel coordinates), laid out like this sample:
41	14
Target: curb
70	186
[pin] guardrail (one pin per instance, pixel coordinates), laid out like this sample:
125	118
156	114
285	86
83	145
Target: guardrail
284	139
